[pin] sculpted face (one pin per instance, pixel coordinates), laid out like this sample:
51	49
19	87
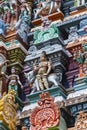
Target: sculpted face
43	57
13	70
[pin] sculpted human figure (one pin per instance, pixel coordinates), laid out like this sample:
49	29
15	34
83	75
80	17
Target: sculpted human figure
23	24
13	80
2	65
43	70
47	7
6	13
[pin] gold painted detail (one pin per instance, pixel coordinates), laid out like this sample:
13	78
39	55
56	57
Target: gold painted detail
8	110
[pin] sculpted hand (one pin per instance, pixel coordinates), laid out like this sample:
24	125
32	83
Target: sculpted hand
21	86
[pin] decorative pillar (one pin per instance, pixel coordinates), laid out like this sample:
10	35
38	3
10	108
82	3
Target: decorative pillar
16	54
3	58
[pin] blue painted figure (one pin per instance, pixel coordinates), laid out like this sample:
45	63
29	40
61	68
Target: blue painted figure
2	27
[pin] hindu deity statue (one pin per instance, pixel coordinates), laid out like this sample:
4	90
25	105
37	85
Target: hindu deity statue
24	11
13	81
80	55
43	76
79	2
9	11
6	12
2	65
73	35
47	7
23	24
2	27
8	110
43	70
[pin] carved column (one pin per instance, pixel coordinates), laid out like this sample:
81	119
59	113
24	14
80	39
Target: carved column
3	57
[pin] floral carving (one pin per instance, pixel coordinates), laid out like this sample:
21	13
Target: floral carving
81	122
46	115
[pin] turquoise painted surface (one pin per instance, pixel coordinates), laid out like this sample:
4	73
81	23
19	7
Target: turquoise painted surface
62	125
46	34
55	91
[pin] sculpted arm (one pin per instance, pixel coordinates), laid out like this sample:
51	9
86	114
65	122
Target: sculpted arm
19	81
4	63
49	67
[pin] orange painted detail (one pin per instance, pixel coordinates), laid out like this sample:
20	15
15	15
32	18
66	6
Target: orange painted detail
46	115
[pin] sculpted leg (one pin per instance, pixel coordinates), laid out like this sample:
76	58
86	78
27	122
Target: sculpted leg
46	85
40	82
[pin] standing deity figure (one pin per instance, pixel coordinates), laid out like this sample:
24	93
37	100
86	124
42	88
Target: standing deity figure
43	70
6	13
2	27
23	24
1	75
13	81
24	11
73	35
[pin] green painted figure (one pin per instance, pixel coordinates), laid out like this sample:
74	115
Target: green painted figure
14	81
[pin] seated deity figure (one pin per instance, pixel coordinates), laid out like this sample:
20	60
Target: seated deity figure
13	80
47	7
43	70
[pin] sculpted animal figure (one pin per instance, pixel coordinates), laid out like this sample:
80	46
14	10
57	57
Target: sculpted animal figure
52	78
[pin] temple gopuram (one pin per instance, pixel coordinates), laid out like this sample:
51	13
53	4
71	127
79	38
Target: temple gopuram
43	64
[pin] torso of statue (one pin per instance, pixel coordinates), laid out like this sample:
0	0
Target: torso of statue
43	67
13	79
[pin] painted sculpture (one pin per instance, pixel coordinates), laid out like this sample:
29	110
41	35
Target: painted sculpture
8	109
23	24
46	115
13	81
42	76
2	27
47	32
79	2
81	57
81	121
2	65
73	35
9	11
43	70
47	7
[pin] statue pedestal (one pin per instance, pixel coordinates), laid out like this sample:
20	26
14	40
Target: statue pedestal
53	17
54	91
81	83
79	10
